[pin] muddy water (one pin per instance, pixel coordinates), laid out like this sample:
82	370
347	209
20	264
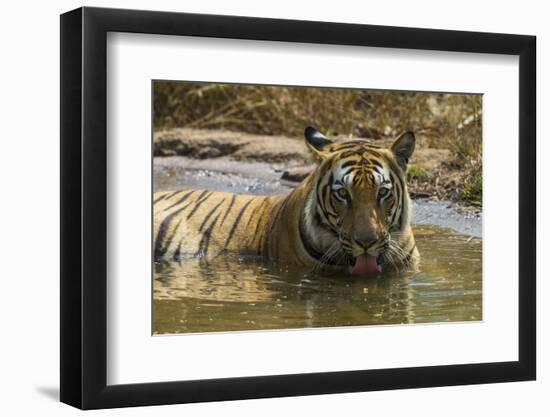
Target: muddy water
234	293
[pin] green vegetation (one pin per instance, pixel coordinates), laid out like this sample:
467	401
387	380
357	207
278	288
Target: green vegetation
416	172
473	188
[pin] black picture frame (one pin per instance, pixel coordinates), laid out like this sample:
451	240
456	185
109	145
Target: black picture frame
84	207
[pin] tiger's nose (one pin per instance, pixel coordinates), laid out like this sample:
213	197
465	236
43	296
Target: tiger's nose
366	240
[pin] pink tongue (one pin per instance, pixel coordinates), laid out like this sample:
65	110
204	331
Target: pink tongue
365	265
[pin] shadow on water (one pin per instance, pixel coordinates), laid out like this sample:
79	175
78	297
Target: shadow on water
236	293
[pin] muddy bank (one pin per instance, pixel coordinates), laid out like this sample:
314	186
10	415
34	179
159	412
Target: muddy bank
202	144
262	178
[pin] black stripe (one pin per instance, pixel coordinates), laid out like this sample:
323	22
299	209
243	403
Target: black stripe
324	192
325	221
318	193
210	214
158	199
321	191
348	154
254	212
349	144
236	222
349	163
159	249
393	214
331	198
168	241
201	195
229	208
256	209
407	258
401	201
326	187
325	225
173	194
377	163
257	229
377	170
181	200
322	206
199	202
348	171
177	252
374	153
205	240
318	187
331	179
190	203
310	249
275	220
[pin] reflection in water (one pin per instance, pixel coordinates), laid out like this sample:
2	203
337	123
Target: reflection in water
235	293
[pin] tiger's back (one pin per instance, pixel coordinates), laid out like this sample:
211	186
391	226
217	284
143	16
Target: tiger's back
195	223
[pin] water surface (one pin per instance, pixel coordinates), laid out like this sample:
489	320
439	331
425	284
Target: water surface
237	293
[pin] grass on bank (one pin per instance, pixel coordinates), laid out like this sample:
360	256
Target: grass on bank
467	149
415	172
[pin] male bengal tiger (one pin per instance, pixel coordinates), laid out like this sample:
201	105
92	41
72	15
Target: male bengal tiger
351	212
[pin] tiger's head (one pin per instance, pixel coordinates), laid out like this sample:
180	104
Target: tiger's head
358	210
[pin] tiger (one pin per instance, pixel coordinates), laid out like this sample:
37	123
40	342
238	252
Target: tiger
351	213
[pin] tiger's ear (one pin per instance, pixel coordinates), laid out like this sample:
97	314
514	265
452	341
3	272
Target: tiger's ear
403	148
317	142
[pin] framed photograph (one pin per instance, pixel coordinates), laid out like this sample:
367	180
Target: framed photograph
257	208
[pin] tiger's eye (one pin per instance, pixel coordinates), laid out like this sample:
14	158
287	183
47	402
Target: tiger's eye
343	193
383	192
